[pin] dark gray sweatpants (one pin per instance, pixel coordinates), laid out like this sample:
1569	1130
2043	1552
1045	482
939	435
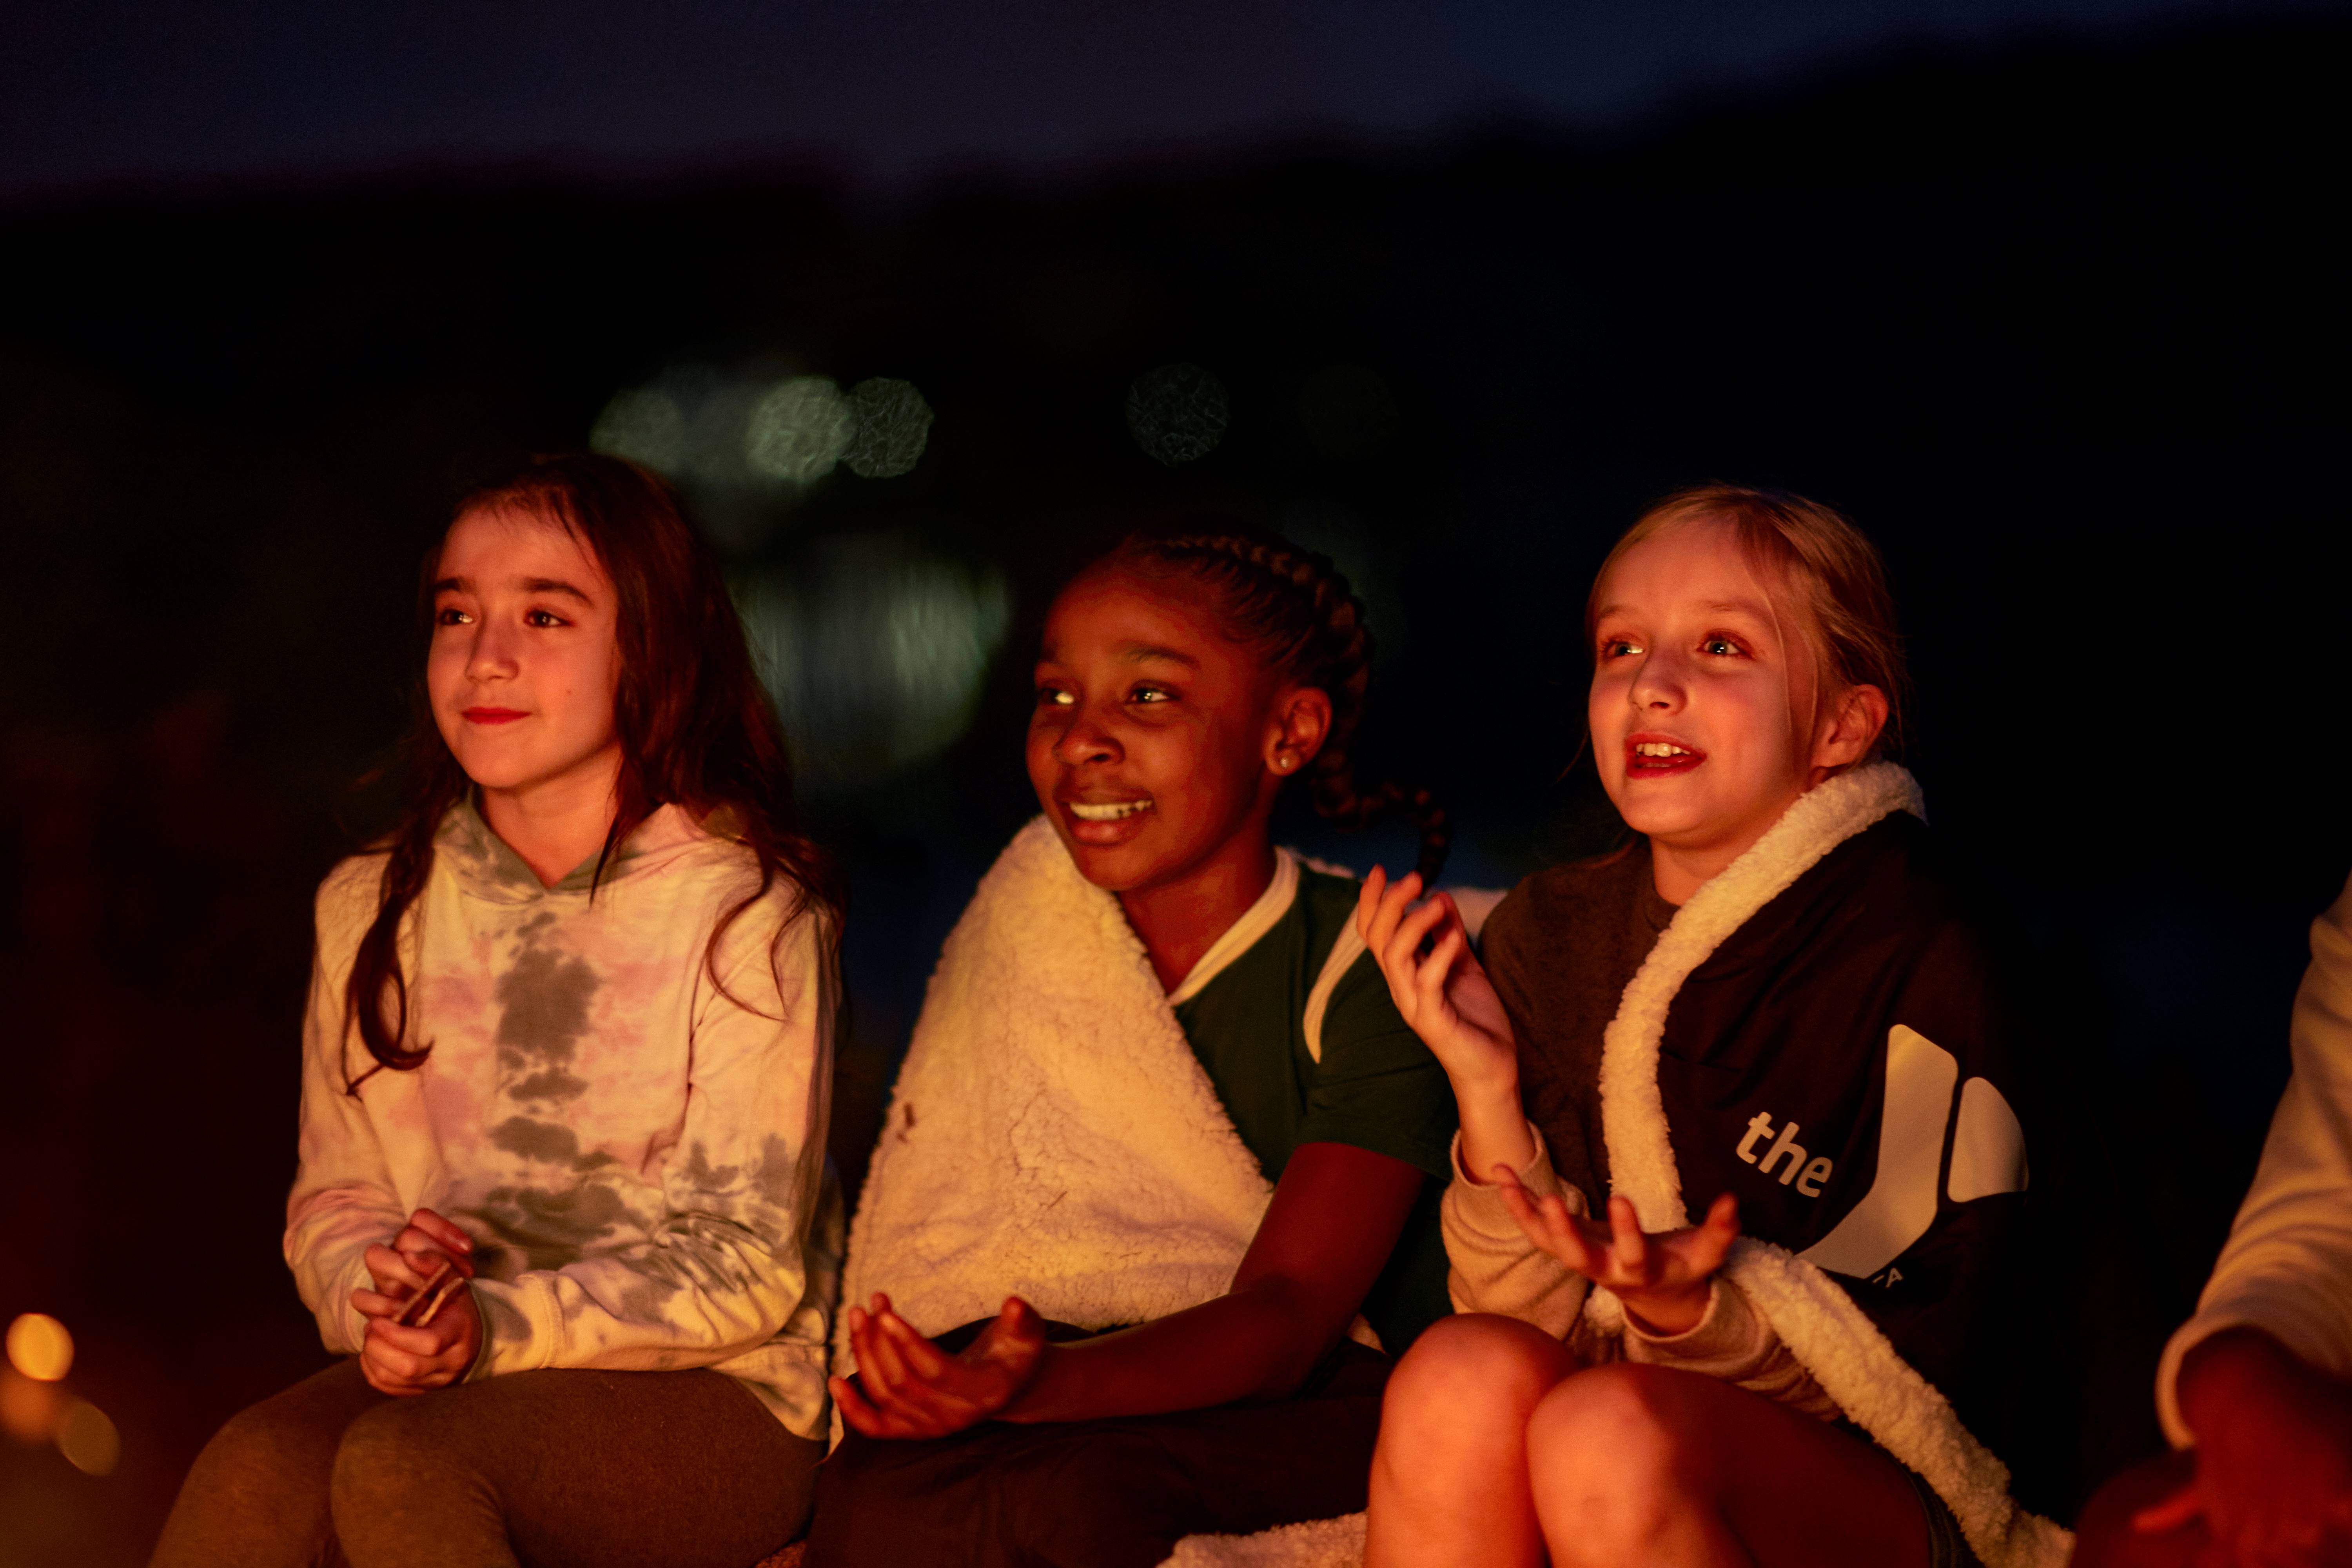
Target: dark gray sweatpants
581	1468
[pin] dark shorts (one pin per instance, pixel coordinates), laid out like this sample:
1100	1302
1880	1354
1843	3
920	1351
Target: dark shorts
1946	1547
1115	1493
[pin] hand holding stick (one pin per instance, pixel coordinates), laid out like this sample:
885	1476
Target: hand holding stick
424	1331
424	1304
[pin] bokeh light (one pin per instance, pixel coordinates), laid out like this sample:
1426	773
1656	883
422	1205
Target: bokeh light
687	424
28	1410
874	649
40	1347
799	431
743	444
893	423
88	1438
645	425
1177	413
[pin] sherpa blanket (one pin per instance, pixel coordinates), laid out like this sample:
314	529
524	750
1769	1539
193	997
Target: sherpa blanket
1814	1316
1053	1136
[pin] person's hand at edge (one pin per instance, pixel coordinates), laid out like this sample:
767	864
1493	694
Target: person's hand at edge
2272	1482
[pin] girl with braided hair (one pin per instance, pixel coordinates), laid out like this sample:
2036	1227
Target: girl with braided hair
1160	1170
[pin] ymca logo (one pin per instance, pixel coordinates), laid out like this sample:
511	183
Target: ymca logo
1806	1175
1923	1099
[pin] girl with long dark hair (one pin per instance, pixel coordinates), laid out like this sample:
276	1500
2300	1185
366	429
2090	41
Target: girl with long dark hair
562	1204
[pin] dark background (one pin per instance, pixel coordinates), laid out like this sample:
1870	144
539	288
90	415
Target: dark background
2052	312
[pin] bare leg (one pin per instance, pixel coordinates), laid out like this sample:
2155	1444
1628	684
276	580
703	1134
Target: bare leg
1671	1470
1450	1475
2104	1538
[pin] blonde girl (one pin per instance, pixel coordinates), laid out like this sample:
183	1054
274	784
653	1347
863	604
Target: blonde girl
1764	1015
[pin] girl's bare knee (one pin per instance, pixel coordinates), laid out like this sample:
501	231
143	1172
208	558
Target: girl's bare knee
1613	1464
1622	1420
1472	1371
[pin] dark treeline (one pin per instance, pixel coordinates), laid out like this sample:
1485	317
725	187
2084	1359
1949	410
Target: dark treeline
2060	328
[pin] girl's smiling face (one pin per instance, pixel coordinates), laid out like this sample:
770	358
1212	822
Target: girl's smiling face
1709	710
1157	739
523	665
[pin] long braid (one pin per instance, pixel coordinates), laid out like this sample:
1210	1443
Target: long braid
1298	605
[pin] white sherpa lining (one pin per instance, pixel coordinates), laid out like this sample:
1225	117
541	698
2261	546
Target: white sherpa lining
1812	1313
1317	1543
1052	1135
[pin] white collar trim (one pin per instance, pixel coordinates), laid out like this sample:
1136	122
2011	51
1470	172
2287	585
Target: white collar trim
1242	934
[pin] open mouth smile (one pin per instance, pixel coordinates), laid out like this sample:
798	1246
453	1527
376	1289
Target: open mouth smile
1108	811
1655	756
1104	823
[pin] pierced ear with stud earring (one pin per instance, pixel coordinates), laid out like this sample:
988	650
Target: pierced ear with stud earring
1286	761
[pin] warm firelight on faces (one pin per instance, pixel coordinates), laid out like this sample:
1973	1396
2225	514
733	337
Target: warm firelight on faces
1155	736
1709	712
523	665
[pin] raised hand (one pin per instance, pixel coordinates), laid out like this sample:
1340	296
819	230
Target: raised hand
398	1359
914	1389
1443	994
1662	1278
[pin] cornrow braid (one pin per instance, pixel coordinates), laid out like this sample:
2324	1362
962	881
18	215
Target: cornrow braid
1298	606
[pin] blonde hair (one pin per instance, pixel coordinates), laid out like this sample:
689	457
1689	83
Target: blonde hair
1840	583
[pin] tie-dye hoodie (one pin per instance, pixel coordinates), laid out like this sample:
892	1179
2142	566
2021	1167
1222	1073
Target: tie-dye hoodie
638	1155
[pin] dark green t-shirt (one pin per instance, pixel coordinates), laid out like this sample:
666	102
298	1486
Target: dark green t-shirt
1376	1087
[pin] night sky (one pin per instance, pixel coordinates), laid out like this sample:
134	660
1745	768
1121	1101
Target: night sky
2048	296
895	93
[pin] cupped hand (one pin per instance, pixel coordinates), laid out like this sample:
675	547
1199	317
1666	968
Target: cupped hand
1662	1278
2273	1458
1437	984
911	1388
